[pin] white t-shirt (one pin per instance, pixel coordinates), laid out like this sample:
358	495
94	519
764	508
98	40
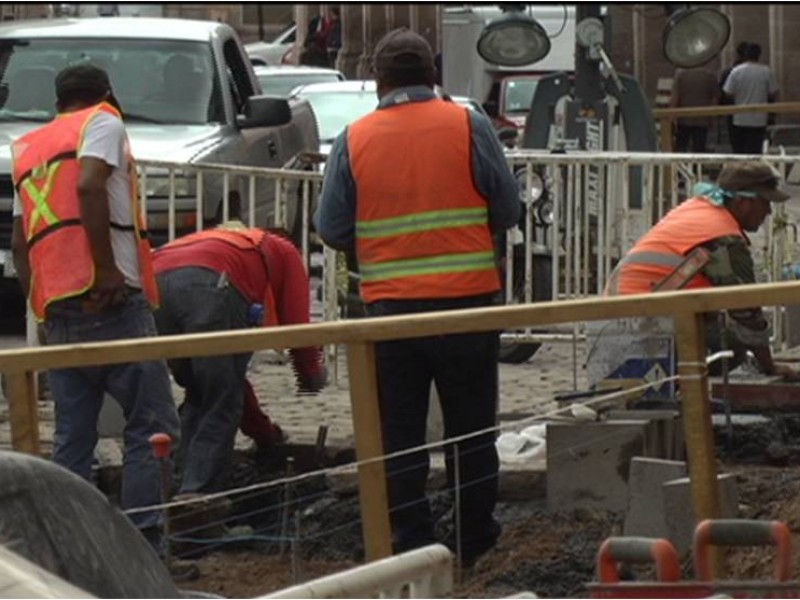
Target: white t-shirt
750	83
105	139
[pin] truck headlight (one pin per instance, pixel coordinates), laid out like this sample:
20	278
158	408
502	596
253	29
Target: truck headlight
536	190
159	185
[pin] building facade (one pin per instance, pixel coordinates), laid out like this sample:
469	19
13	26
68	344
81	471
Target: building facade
636	46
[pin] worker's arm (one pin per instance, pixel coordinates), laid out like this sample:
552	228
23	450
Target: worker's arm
772	95
493	177
732	264
19	250
289	282
109	283
101	151
335	220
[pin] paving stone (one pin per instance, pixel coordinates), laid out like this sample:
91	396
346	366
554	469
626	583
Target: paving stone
588	463
645	516
679	512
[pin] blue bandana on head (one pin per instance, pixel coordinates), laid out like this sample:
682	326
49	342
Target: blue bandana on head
717	195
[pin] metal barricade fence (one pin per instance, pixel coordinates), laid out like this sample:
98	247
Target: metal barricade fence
583	212
180	198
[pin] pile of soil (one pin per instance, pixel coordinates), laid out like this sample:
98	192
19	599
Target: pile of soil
550	554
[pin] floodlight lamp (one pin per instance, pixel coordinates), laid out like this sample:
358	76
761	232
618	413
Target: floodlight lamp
513	40
694	36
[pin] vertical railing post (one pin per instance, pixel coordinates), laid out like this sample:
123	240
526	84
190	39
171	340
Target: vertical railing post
696	415
369	445
23	411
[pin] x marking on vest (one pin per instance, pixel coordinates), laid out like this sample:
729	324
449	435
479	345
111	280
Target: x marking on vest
39	196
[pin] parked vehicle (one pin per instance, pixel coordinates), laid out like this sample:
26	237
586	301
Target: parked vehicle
274	52
188	94
281	80
338	104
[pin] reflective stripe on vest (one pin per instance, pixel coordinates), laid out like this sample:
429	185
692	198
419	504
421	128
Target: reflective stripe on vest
428	221
422	227
46	173
451	263
664	247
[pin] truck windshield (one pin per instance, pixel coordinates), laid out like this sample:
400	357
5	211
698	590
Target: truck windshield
519	95
155	81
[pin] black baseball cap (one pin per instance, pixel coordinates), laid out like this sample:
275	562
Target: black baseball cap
402	49
82	80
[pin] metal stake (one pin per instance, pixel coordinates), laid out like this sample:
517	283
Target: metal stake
457	507
287	490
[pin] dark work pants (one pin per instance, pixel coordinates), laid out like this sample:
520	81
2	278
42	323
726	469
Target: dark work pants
690	139
192	302
748	140
465	370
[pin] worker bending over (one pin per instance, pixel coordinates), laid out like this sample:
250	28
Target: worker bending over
231	277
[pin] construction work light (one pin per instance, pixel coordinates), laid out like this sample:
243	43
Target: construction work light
694	36
513	40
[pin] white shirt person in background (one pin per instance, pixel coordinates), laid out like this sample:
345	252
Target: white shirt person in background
750	83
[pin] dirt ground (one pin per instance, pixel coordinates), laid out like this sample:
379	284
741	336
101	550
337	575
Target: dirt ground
551	554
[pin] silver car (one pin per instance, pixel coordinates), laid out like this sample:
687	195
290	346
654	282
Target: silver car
281	80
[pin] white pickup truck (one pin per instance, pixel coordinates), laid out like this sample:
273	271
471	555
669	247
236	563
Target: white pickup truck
188	94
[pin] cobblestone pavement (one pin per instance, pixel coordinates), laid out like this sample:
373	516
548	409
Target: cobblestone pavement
525	389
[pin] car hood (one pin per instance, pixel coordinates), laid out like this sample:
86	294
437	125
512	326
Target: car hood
174	143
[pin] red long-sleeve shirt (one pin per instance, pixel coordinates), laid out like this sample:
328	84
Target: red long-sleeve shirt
247	272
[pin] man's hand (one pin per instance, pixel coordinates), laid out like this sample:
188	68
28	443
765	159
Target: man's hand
313	384
108	291
786	371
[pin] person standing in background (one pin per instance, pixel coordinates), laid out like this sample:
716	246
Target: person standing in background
750	83
693	87
724	100
419	188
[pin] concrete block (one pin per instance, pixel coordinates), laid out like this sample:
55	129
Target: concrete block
588	463
665	433
679	512
645	516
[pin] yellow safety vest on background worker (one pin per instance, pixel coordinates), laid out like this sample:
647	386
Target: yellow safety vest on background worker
422	227
46	173
666	245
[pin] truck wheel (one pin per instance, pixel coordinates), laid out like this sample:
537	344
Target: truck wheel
516	353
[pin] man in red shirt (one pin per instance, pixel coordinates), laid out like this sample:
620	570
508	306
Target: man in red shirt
231	277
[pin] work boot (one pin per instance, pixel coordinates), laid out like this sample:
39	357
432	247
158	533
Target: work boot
183	570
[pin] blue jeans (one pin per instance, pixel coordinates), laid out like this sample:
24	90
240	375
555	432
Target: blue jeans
193	301
142	389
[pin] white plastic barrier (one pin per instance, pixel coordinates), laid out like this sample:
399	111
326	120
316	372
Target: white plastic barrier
423	573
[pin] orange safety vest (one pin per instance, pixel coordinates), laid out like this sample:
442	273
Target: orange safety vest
422	227
242	238
665	246
46	172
